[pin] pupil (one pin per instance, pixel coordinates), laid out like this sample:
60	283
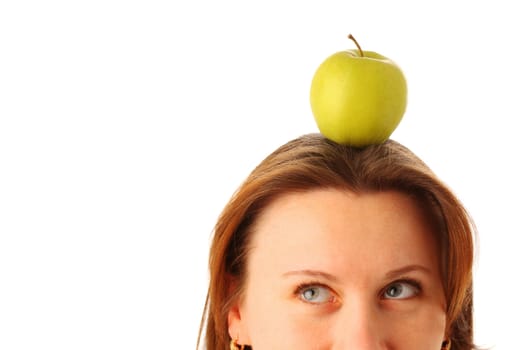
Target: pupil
394	291
309	294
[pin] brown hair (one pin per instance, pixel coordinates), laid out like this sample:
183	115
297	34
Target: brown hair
312	161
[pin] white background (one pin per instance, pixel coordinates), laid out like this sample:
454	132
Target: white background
126	125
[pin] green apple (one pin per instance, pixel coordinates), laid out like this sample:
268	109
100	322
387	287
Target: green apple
357	97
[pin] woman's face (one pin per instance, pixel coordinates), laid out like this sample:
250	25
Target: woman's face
330	269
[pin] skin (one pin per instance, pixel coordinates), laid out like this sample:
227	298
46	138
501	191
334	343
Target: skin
331	269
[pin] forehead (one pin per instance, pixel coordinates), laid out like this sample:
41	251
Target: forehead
335	229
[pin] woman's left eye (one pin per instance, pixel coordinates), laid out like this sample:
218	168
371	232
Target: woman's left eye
401	290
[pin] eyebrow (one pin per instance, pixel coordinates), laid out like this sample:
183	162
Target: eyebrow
311	273
390	274
406	269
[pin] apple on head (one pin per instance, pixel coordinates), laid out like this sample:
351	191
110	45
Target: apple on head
357	97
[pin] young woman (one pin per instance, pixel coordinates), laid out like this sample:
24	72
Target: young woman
326	246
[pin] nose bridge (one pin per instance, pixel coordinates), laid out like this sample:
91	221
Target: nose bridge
359	326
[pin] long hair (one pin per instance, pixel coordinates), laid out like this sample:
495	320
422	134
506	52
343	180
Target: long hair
310	162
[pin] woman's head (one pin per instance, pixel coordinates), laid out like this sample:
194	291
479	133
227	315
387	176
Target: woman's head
327	246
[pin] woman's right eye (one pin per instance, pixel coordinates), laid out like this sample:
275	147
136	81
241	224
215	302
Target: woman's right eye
315	294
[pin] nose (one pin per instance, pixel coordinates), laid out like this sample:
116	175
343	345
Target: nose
359	328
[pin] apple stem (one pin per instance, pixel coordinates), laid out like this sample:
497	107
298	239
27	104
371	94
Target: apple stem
350	36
